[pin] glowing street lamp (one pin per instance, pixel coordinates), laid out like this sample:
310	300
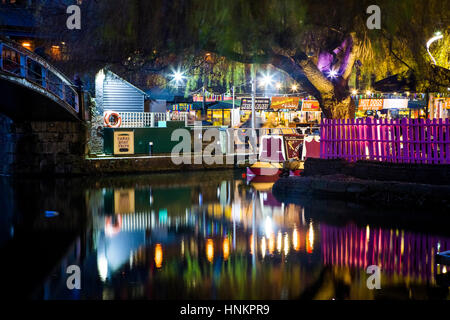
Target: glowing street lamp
294	88
178	76
278	85
332	74
266	80
437	36
354	92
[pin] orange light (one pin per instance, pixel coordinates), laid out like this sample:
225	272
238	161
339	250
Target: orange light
310	239
226	248
263	247
26	44
210	250
279	244
158	256
295	240
271	244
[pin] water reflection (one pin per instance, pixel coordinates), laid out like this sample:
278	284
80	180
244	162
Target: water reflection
222	237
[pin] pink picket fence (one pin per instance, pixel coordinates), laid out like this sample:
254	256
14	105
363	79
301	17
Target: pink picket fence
399	141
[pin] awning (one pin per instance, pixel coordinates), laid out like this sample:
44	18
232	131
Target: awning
224	105
417	104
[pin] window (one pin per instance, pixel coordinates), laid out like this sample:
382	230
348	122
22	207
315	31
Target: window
11	61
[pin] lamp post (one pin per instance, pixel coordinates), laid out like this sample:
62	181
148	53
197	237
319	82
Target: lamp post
253	100
232	112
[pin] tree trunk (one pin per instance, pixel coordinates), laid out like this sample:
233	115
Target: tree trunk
338	103
327	80
334	108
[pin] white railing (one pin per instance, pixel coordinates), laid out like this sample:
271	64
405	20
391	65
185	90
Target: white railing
149	119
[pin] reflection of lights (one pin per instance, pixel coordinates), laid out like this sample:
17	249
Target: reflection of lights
271	244
278	85
158	256
367	233
268	227
113	229
102	265
263	247
251	244
182	248
226	248
286	244
444	269
438	36
295	242
210	250
279	244
310	239
51	214
402	244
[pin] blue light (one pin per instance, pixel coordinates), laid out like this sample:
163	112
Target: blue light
51	214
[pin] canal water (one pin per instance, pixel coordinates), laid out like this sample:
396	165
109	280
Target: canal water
210	235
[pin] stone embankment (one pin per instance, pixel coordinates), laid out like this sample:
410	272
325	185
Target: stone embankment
384	184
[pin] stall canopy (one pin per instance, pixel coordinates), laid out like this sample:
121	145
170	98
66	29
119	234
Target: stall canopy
225	105
417	104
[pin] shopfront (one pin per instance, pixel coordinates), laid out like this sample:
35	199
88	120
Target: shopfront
222	113
439	107
310	112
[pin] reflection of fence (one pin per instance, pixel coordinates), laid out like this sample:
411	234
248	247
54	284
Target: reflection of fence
395	251
404	141
18	62
148	119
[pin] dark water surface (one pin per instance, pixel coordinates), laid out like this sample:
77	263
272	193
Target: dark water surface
210	235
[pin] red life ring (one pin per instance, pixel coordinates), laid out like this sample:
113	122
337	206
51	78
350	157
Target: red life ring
117	122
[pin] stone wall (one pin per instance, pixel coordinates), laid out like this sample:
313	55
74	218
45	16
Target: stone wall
95	141
381	171
6	144
41	148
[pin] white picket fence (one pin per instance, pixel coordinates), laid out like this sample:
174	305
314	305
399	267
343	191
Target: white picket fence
149	119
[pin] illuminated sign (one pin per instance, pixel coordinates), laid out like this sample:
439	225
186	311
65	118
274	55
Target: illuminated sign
379	104
260	104
285	103
123	142
370	104
395	103
310	106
